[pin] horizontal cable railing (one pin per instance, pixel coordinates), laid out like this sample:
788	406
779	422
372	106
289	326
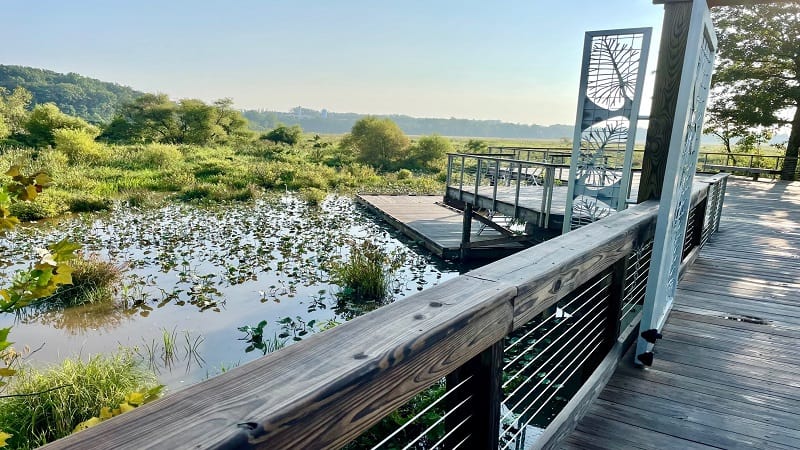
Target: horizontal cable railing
496	183
485	360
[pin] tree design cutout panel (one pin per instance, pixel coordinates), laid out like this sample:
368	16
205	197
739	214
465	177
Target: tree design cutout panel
612	75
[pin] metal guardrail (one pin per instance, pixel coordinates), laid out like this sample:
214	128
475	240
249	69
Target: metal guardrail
482	176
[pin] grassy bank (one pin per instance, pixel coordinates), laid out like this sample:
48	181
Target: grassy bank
91	179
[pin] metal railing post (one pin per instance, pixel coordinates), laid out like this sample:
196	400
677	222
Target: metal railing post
477	180
461	183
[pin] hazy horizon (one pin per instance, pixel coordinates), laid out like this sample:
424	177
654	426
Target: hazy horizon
517	62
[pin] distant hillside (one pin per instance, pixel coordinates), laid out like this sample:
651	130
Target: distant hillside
337	123
88	98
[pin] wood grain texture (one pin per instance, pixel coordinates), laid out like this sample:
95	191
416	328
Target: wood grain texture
323	391
727	373
671	52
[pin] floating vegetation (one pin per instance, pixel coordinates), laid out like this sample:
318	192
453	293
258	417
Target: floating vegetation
267	259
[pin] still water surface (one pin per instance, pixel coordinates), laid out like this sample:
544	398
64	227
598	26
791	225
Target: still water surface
199	273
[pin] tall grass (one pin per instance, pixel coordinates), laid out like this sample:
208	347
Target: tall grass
46	405
367	272
93	280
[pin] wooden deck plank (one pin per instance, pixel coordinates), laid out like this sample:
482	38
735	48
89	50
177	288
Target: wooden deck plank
716	380
424	219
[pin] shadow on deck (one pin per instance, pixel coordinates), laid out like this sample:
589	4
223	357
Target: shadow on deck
726	373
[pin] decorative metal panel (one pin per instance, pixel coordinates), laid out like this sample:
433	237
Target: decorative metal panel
681	162
605	127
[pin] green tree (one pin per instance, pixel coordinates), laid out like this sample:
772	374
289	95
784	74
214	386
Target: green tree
720	122
284	134
476	146
13	111
155	118
149	118
377	142
196	123
758	70
45	119
428	151
231	121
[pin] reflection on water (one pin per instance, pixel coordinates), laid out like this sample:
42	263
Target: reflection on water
208	271
77	320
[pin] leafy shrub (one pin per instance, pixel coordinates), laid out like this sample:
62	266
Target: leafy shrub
49	404
157	156
313	196
46	205
88	203
216	193
367	272
79	146
378	142
428	152
285	135
404	174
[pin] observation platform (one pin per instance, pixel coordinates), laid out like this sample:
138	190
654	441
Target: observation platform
437	227
727	373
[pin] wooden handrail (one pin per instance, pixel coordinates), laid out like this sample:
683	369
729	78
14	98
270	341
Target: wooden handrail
324	391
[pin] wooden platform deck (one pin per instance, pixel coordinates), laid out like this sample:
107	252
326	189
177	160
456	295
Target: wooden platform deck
437	227
727	373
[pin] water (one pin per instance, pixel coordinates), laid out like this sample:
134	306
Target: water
199	273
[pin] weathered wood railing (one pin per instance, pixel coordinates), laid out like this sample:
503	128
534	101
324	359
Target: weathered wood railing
506	344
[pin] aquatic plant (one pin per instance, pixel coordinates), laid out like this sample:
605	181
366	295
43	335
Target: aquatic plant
93	280
367	272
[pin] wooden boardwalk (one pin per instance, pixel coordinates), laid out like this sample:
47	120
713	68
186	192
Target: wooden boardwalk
727	373
437	227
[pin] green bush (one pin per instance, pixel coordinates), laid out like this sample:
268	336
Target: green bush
88	203
204	192
428	152
49	404
79	146
158	156
46	205
313	196
284	135
404	174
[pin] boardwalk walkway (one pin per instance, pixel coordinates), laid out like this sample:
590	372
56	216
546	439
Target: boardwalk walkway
727	373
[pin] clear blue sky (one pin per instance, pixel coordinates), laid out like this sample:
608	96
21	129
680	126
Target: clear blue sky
516	61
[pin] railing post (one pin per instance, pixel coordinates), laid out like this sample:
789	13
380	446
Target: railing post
449	170
496	182
616	294
466	229
723	184
477	180
482	427
516	194
461	182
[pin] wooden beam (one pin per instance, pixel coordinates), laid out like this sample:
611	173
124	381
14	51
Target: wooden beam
671	52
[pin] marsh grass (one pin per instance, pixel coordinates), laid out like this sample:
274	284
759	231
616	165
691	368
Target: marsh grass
46	405
366	274
93	280
166	352
201	174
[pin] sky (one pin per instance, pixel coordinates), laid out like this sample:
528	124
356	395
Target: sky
516	61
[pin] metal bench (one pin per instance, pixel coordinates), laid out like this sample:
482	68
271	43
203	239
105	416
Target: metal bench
754	171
